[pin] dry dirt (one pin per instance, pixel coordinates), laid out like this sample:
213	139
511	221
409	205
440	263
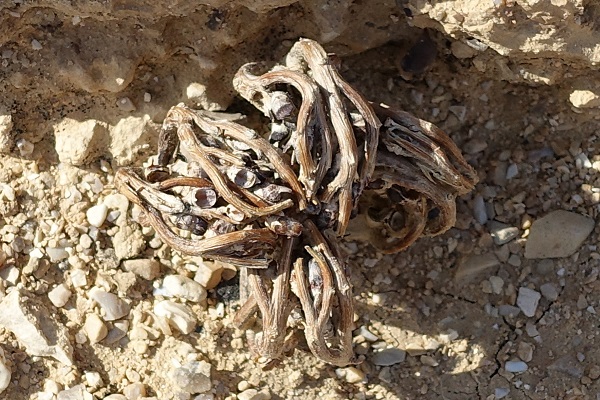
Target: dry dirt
510	105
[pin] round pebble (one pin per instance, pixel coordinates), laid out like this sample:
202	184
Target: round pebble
113	307
5	373
94	328
182	287
515	366
96	215
59	296
389	357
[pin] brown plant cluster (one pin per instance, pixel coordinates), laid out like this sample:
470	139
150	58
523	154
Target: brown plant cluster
277	203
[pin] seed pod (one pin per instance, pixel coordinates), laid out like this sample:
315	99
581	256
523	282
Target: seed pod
284	226
279	131
191	223
204	197
272	193
242	177
281	105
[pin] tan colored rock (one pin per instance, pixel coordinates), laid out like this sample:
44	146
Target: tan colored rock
209	274
94	328
130	136
34	327
6	135
80	142
558	234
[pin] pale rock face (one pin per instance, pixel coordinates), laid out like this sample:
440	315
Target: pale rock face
34	327
5	372
80	142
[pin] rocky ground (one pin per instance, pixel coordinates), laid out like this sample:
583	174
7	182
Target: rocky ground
504	305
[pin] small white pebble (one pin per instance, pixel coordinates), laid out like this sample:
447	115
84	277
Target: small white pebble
147	97
515	366
96	215
59	296
25	147
36	45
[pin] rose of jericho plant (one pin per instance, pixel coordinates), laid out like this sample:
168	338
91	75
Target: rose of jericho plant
277	203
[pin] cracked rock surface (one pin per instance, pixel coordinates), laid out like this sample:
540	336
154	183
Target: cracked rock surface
84	86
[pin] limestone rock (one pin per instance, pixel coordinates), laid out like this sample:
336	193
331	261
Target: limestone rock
129	136
113	307
558	234
193	377
6	135
34	327
5	372
145	268
584	99
80	142
128	242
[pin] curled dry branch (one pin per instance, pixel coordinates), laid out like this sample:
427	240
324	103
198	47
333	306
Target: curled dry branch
277	204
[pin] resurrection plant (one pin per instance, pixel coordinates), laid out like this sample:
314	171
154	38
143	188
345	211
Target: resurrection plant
277	203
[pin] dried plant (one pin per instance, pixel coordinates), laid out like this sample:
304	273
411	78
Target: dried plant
278	204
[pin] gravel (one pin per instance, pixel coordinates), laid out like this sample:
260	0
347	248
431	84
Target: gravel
528	300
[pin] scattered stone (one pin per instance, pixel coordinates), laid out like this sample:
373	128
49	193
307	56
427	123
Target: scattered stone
125	104
367	334
96	215
197	93
512	171
6	135
94	328
36	45
79	143
528	300
57	254
502	233
500	393
117	332
389	357
25	147
354	375
5	372
59	296
113	307
584	99
182	287
129	137
128	242
429	361
77	392
148	269
558	234
208	274
253	394
479	210
515	366
78	278
525	351
177	315
193	377
475	146
115	397
582	302
506	310
496	283
134	391
473	265
33	326
10	274
462	50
